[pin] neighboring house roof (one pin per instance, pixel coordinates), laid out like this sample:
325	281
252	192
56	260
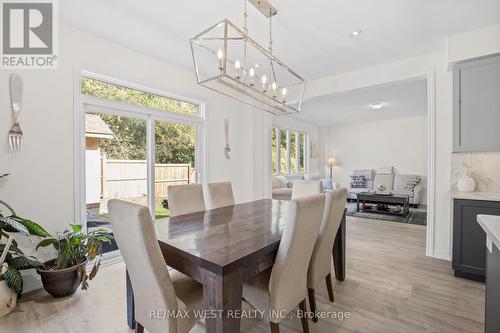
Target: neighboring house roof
95	127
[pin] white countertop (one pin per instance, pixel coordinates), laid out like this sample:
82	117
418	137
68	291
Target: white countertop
490	224
488	196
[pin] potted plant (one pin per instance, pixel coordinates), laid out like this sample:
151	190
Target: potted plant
75	248
12	259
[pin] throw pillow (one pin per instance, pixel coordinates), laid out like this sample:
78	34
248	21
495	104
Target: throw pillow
326	184
358	182
411	183
280	182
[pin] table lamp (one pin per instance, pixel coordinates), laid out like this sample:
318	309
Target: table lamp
332	161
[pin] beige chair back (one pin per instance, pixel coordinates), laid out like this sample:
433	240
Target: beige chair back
134	233
305	188
321	259
221	194
288	281
185	199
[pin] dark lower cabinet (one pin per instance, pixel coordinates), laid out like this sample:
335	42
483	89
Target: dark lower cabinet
469	239
492	322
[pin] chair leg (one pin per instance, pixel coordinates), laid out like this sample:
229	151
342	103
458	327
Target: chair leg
275	328
305	323
312	303
329	286
139	328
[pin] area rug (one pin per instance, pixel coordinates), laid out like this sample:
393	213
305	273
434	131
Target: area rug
413	217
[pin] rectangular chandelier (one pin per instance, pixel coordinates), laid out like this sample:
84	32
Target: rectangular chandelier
227	60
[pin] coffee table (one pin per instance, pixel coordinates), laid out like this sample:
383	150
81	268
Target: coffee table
392	199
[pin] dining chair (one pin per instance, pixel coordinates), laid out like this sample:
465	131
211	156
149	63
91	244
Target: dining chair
304	188
221	194
185	199
321	259
279	289
155	289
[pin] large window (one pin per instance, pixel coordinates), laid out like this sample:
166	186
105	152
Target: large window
289	151
137	144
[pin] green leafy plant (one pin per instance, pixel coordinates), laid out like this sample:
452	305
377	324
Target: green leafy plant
16	260
75	246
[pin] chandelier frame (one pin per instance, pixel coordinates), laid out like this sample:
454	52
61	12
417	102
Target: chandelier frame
238	89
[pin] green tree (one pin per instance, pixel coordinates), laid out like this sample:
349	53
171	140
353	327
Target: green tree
174	143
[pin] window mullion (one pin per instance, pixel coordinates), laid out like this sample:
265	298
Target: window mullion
297	156
150	142
288	152
278	147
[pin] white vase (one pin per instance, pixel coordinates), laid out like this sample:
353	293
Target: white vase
8	299
466	183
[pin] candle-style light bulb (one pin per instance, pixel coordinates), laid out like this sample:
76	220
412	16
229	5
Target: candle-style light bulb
220	57
264	80
274	88
251	72
283	94
237	65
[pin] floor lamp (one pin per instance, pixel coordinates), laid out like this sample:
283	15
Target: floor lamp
331	163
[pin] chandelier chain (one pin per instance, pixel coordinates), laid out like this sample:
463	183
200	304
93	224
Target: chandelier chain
245	17
271	65
245	30
270	32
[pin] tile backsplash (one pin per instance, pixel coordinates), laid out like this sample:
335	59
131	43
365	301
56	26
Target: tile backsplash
484	167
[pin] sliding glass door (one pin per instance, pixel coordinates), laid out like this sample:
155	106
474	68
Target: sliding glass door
136	145
115	163
175	160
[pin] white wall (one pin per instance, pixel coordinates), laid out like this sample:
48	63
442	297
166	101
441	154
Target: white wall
42	183
474	44
401	143
437	65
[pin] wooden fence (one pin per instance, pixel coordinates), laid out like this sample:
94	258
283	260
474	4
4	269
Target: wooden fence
128	178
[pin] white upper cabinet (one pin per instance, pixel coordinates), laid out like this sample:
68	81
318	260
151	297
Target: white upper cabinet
476	105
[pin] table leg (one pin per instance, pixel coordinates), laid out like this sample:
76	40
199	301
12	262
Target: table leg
130	303
339	250
222	295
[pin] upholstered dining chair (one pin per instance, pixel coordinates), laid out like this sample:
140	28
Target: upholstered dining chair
221	194
185	199
278	290
321	259
154	287
304	188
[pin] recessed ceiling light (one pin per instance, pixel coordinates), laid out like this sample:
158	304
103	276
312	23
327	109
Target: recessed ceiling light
377	106
356	33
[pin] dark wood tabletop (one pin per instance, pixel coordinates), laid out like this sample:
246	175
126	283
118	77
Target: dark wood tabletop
222	248
221	239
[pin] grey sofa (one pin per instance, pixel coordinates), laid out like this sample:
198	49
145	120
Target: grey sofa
282	186
394	183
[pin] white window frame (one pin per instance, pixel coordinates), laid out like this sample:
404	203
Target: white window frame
288	159
84	104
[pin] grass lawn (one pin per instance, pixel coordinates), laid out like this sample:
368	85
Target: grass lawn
160	212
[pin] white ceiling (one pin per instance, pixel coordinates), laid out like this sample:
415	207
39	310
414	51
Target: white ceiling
312	37
400	100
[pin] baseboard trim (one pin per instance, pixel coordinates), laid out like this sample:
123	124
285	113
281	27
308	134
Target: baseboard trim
108	259
442	255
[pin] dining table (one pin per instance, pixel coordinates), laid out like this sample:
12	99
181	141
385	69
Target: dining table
222	248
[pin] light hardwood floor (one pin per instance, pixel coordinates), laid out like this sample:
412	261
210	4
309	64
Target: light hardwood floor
390	287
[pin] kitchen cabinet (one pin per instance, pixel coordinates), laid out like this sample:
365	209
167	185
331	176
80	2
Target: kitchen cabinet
476	105
469	252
